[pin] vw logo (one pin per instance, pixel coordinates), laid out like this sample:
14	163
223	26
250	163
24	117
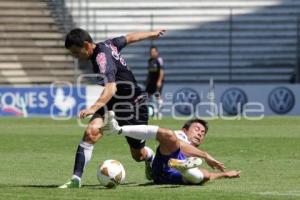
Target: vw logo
281	100
233	101
186	100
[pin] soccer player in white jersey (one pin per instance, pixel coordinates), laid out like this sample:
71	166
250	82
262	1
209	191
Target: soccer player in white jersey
177	157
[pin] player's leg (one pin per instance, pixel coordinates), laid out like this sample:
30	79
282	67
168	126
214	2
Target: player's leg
136	116
169	148
85	150
159	101
166	137
151	90
193	176
140	152
162	173
168	141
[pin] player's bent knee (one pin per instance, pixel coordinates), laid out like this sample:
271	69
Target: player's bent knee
193	176
137	158
92	134
138	154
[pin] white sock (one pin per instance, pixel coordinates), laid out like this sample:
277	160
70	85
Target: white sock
88	151
159	104
83	156
140	132
194	175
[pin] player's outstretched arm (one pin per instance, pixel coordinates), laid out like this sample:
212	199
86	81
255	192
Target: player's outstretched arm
209	176
190	150
139	36
108	92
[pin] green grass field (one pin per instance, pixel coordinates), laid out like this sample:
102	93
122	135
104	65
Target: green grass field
36	155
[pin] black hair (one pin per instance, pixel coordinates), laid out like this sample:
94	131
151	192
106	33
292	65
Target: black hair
153	47
188	123
77	37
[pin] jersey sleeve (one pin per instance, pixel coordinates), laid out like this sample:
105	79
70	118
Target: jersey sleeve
119	42
182	136
107	66
160	62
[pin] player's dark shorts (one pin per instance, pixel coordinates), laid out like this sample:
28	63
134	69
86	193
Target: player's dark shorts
162	173
152	89
133	112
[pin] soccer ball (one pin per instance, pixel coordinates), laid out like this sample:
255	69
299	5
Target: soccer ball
111	173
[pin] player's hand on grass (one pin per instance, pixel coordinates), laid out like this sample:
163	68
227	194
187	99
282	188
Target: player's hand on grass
157	34
86	112
213	163
233	174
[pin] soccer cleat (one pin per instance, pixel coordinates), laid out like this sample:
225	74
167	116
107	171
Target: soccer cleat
188	163
73	183
148	169
111	126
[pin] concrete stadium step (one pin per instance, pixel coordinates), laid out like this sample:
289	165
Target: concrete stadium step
166	41
39	72
213	15
146	19
34	80
211	57
21	12
225	64
181	12
224	78
33	50
221	49
7	65
30	35
263	68
30	42
263	71
29	27
202	63
241	78
23	4
178	15
250	72
26	20
49	58
31	45
198	33
264	35
171	26
180	4
263	78
177	30
224	71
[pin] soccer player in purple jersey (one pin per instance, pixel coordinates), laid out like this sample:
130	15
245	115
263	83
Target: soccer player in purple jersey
121	94
177	157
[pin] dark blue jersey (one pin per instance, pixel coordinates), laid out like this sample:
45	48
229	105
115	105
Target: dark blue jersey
109	63
154	67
